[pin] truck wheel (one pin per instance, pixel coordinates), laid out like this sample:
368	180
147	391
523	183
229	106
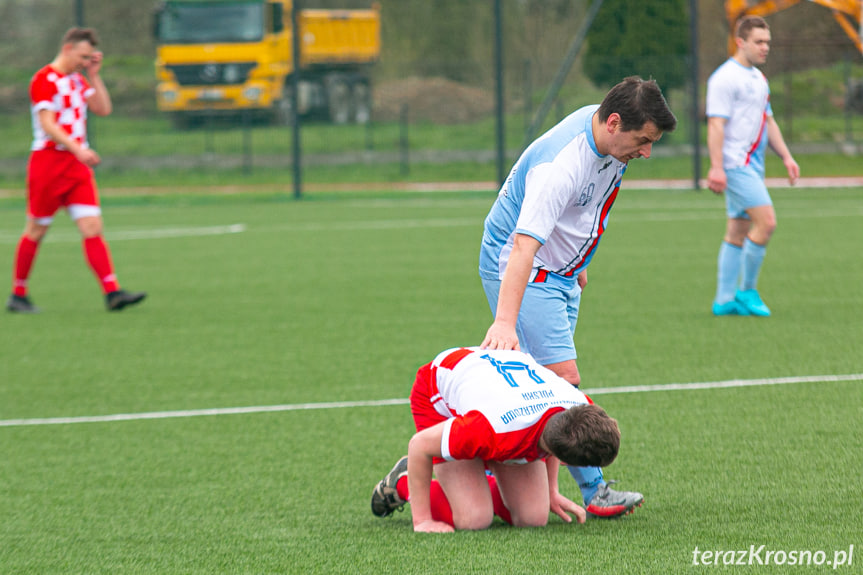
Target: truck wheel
362	101
339	97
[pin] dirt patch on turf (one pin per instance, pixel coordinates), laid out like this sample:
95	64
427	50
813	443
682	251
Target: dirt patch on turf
434	100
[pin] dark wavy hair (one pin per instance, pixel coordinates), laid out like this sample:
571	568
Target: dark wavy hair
583	436
637	102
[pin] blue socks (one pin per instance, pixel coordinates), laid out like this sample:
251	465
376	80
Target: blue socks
730	259
588	479
753	256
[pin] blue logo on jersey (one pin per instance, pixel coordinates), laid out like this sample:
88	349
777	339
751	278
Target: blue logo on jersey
586	195
505	369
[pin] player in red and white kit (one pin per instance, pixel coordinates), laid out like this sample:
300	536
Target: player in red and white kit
501	411
60	171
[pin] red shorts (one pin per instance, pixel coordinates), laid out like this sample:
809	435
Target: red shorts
422	408
423	394
57	179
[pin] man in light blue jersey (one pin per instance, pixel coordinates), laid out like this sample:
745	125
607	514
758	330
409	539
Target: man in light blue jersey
544	229
740	126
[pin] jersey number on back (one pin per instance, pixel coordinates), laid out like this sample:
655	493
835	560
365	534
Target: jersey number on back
507	368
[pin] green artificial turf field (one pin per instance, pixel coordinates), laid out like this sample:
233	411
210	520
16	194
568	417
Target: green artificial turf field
326	307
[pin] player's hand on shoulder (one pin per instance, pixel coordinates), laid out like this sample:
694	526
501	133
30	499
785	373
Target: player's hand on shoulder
500	336
432	526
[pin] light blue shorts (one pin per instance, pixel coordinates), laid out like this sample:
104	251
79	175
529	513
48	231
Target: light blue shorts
546	322
745	189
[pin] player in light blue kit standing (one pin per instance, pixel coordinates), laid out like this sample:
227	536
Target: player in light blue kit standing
740	126
543	231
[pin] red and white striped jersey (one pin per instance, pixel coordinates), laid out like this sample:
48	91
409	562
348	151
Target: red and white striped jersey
497	403
65	95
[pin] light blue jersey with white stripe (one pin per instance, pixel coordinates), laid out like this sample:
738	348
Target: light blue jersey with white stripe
560	192
741	95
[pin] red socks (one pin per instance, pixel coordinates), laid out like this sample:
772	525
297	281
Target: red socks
440	508
99	258
95	250
24	257
402	487
499	508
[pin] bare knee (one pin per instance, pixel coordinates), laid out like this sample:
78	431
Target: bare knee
89	226
568	370
473	518
466	488
530	518
572	377
763	224
35	232
762	233
736	230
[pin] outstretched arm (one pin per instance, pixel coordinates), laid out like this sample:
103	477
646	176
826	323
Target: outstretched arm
501	334
423	447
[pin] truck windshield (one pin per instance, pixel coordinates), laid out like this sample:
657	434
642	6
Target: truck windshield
211	22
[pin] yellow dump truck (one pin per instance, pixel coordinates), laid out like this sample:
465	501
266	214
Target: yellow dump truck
217	57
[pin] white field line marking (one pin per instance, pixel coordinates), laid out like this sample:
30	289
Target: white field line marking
198	412
157	233
477	222
725	384
380	224
386	402
683	184
142	234
693	216
624	215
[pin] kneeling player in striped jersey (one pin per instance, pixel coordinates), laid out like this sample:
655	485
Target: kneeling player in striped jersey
493	427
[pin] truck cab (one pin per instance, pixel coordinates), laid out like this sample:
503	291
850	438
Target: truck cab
233	57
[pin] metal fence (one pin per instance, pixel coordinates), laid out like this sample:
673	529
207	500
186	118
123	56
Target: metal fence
426	114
